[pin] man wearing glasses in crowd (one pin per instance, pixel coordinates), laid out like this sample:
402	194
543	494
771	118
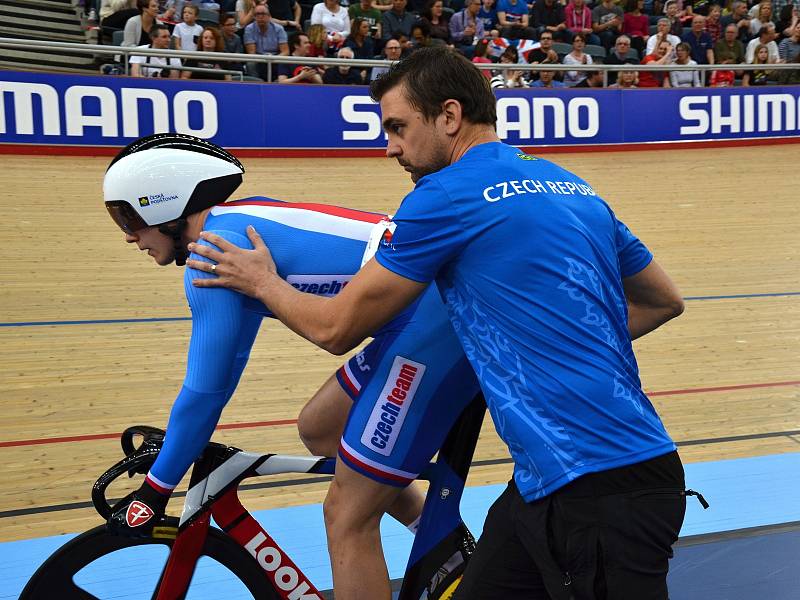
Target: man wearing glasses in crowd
392	51
263	36
619	56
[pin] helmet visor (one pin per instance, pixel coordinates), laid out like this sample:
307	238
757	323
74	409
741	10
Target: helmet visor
125	216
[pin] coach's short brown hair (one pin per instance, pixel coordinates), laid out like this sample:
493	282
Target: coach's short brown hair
433	75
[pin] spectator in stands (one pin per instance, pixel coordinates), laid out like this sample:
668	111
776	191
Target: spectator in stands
547	79
512	18
766	37
544	54
675	23
758	77
359	40
509	78
684	78
713	22
662	56
298	72
391	51
626	80
479	56
365	10
397	19
789	49
421	36
729	50
466	29
286	13
636	26
210	41
245	11
702	48
788	17
186	35
319	41
233	43
155	66
619	56
343	75
579	20
607	20
334	19
263	37
549	15
488	14
593	79
763	17
437	22
576	57
114	14
137	29
741	19
662	34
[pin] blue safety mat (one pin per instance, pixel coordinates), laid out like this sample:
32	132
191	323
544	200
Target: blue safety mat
744	493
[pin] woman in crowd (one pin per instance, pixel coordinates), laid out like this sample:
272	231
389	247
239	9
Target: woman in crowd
137	29
661	56
764	17
576	57
360	40
481	50
684	78
318	40
636	25
626	80
758	77
439	25
210	41
509	78
245	10
334	19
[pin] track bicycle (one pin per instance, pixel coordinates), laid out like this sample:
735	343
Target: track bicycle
239	543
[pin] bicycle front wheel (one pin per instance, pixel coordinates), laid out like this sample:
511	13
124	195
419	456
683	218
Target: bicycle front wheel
97	565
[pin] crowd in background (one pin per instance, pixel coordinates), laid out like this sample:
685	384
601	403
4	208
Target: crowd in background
577	32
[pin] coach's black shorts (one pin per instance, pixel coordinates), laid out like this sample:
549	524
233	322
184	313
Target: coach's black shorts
604	536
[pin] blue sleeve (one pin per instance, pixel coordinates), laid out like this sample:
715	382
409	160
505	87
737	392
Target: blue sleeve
249	35
223	333
632	253
428	234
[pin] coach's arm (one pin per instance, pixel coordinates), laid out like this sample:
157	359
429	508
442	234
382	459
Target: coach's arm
371	299
653	299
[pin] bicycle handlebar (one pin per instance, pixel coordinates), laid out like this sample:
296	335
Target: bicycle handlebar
137	460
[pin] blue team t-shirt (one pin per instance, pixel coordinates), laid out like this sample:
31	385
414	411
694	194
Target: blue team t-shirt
530	262
514	11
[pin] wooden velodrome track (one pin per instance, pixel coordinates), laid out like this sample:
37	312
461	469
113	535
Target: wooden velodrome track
725	376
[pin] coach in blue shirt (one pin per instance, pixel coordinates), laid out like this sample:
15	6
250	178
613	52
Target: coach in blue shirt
546	288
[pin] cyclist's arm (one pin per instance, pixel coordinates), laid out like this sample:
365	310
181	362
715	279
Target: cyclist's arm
222	335
653	299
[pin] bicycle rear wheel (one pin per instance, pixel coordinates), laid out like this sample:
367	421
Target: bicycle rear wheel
59	576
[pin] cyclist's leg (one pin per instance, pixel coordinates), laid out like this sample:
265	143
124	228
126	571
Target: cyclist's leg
321	425
353	509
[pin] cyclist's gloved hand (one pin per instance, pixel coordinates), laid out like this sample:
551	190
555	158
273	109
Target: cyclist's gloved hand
138	512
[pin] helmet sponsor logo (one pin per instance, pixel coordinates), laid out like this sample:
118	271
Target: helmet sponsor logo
138	514
394	402
157	199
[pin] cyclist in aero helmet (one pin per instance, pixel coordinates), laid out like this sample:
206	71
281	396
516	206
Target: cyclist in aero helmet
162	191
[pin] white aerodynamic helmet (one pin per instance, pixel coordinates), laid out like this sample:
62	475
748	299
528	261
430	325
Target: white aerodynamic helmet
165	177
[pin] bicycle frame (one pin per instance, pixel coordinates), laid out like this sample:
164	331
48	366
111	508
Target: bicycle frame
213	491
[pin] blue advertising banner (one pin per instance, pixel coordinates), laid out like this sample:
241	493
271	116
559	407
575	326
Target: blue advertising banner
77	110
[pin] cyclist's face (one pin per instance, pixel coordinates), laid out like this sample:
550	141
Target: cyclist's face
158	245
